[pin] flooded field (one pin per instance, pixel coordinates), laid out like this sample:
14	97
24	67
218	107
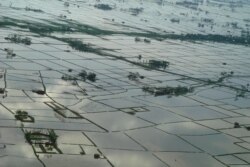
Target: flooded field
124	83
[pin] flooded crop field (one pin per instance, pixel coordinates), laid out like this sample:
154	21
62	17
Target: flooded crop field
124	83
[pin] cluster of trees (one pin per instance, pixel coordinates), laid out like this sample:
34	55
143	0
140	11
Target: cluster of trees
167	90
103	6
18	39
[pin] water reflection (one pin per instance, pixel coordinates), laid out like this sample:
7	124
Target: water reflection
188	159
123	158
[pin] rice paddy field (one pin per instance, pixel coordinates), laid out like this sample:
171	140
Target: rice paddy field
124	83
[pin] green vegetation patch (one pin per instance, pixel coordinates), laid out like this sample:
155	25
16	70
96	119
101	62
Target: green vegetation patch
23	116
40	92
167	90
34	10
135	76
90	76
15	38
79	45
158	64
34	137
103	6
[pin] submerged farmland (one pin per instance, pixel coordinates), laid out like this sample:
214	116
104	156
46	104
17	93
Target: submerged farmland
115	83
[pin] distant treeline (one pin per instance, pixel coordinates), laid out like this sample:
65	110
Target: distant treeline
75	27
